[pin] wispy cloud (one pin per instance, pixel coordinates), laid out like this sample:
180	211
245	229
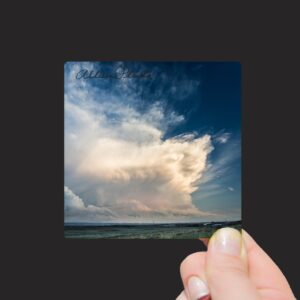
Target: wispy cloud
222	137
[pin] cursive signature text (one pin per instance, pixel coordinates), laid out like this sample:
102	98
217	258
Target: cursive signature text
117	74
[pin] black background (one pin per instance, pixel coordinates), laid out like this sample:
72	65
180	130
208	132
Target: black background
39	262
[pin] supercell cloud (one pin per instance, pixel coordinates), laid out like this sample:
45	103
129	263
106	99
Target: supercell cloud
119	165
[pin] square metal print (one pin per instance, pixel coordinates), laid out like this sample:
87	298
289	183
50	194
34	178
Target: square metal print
152	149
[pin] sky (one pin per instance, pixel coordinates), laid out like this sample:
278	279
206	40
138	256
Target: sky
152	142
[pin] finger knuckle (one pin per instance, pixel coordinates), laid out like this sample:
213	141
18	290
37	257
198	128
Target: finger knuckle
189	260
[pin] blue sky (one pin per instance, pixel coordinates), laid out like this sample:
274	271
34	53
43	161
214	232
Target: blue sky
151	141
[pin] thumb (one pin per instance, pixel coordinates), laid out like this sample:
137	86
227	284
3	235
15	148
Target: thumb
226	267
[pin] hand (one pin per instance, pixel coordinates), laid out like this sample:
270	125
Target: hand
233	268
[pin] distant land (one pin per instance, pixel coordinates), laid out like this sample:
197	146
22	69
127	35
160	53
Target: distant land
145	230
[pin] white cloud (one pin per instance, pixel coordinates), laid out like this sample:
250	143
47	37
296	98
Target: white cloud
71	200
231	189
117	159
75	209
222	138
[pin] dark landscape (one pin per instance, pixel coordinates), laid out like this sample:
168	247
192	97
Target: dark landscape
145	231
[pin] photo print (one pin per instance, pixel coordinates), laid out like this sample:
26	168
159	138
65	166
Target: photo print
152	150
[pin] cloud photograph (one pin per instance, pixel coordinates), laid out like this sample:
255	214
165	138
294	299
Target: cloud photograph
151	149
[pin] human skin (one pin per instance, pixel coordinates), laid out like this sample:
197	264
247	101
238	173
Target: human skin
233	268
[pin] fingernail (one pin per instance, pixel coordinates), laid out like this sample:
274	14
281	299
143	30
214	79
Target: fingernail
228	241
197	289
182	296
